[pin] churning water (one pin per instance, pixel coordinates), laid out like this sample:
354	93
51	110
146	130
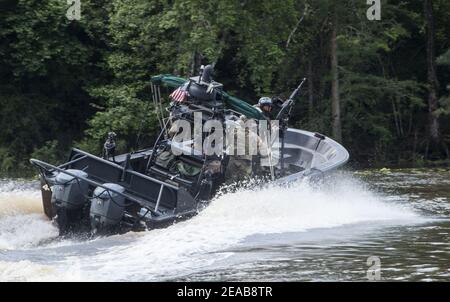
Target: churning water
296	232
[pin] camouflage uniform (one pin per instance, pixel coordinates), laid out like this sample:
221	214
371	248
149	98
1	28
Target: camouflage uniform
240	167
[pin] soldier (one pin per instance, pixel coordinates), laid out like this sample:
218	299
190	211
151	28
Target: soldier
269	107
265	106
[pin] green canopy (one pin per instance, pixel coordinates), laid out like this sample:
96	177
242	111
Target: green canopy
168	80
231	102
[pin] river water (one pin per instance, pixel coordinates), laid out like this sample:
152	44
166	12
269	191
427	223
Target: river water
388	224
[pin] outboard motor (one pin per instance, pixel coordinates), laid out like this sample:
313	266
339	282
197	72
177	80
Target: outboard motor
69	197
107	207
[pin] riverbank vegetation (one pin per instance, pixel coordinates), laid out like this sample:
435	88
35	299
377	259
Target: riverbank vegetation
379	87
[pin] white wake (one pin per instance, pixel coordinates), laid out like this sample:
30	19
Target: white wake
196	243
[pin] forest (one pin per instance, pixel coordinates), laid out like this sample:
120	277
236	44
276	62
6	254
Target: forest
380	87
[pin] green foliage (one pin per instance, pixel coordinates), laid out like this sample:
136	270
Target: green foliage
444	108
444	59
65	83
50	152
7	160
444	102
47	62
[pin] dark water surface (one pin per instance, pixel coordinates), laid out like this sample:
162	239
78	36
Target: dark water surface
397	219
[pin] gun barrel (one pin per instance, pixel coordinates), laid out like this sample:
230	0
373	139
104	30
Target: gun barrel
297	90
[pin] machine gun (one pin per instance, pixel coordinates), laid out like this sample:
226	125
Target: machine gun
286	108
283	116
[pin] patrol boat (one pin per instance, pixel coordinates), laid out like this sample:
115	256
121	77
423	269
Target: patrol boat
153	187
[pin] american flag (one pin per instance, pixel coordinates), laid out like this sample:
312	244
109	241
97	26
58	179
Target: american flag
179	95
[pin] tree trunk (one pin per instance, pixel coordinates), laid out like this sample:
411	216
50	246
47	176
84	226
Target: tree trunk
433	84
310	89
335	100
196	63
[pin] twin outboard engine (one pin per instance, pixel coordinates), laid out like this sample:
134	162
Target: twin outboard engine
69	195
107	207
